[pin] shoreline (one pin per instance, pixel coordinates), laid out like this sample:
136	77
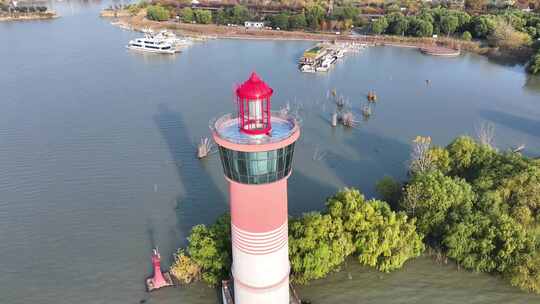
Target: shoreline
440	47
31	16
139	23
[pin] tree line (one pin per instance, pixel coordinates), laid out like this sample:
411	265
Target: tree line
475	205
313	17
442	21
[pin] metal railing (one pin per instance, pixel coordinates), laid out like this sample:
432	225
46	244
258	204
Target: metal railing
227	120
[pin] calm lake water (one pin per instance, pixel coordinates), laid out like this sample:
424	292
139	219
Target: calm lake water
97	154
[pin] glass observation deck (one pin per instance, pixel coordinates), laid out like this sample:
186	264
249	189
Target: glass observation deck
256	167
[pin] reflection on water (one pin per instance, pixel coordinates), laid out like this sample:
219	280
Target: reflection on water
97	150
533	83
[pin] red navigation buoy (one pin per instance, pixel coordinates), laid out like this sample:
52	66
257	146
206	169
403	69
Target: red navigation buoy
159	279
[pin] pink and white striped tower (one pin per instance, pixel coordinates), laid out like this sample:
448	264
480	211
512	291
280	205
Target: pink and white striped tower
256	148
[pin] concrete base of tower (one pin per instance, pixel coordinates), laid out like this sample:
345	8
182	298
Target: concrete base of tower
237	294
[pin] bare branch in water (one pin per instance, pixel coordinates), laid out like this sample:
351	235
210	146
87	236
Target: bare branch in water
205	148
421	161
348	119
486	134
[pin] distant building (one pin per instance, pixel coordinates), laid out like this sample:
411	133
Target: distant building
28	3
254	24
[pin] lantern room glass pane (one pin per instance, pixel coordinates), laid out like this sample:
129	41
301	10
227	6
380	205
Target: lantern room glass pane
257	167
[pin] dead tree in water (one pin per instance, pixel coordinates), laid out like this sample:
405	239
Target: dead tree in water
204	148
348	119
366	111
486	134
334	119
421	161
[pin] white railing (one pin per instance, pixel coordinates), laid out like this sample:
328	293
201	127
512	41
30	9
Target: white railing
218	123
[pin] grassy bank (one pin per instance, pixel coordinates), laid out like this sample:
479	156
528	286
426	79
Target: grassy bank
29	16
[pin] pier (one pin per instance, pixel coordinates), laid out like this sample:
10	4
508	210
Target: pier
440	51
322	56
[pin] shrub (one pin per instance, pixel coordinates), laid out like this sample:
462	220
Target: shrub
379	26
506	37
317	245
466	36
527	275
298	21
184	268
429	197
186	15
281	21
488	242
440	159
157	13
210	248
534	64
203	16
382	238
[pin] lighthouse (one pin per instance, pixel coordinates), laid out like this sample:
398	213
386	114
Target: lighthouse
256	148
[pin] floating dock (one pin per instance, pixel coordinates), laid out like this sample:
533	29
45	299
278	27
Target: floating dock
322	56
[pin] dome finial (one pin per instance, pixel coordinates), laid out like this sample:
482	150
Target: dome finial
254	77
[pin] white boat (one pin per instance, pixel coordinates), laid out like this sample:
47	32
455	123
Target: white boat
326	64
306	68
151	45
173	39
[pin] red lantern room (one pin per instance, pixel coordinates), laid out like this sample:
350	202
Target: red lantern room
253	97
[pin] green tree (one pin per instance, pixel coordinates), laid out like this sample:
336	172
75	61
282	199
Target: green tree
315	16
398	24
317	245
531	30
466	36
186	15
534	64
298	21
527	274
203	16
464	20
221	17
506	37
488	242
379	26
429	197
157	13
449	24
281	21
210	248
240	14
383	238
440	158
482	26
184	268
419	28
350	12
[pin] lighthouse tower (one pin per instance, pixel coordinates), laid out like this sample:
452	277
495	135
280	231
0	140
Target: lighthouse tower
256	148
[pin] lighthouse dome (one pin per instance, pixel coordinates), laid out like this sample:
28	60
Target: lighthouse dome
254	88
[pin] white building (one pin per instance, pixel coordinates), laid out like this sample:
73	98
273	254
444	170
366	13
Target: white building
254	24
